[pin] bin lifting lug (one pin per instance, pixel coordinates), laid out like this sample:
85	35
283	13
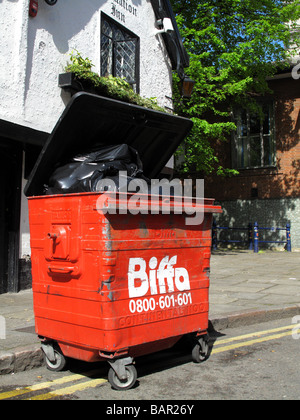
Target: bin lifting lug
53	236
57	234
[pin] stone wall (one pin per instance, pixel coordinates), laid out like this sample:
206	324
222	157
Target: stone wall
267	213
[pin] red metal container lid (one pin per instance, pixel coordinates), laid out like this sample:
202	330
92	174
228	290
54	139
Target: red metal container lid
90	121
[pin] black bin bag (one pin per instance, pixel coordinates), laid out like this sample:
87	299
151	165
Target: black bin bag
83	172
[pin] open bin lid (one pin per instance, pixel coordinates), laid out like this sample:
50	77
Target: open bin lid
90	121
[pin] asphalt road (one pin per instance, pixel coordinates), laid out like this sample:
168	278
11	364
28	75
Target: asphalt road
258	362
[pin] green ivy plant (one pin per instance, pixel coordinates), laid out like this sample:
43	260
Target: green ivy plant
112	87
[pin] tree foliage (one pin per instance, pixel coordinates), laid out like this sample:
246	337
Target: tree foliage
234	45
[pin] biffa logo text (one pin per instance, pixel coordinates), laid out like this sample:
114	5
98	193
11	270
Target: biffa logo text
161	278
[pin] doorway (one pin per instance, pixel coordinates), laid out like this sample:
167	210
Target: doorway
10	190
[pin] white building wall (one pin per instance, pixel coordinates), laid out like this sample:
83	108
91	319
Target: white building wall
33	51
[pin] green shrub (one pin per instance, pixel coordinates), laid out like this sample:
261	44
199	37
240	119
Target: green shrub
112	87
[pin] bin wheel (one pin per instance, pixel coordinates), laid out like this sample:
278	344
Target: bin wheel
200	350
59	363
121	385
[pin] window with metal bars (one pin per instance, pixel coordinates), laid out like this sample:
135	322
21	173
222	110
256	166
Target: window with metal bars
119	52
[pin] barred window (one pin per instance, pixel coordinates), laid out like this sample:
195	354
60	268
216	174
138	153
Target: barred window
253	144
119	52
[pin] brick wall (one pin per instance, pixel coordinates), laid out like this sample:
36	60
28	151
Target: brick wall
269	196
281	181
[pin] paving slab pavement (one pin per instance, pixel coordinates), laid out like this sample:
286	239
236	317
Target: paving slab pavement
245	288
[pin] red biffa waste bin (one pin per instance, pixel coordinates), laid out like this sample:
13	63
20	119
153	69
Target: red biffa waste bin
114	286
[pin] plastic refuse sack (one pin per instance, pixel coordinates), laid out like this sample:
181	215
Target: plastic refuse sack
83	172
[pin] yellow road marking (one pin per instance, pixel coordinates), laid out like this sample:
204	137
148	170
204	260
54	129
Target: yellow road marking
43	385
251	342
69	390
95	382
255	334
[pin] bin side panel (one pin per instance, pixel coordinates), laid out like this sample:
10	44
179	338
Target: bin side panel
160	286
66	270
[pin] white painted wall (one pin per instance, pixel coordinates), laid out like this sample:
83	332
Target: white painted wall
33	51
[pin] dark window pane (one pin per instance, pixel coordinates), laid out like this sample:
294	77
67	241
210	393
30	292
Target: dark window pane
118	52
267	151
255	151
255	124
244	124
106	28
125	60
253	145
106	56
266	122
